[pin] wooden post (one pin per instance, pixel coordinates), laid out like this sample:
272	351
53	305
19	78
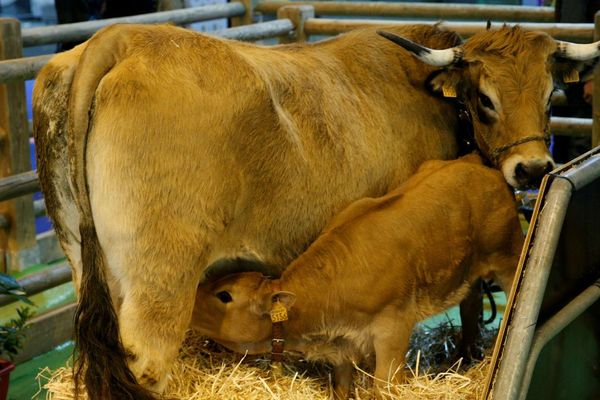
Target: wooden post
596	95
17	242
245	19
298	15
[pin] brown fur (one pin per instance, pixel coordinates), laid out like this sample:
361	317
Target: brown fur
285	116
183	151
379	267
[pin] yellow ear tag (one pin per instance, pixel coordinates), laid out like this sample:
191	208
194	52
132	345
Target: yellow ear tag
278	312
572	76
448	91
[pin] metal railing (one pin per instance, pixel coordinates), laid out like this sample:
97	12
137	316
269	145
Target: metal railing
82	30
418	10
516	354
569	32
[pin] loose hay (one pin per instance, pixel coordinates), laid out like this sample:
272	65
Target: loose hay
205	370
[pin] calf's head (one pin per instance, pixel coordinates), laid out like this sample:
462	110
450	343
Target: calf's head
505	79
235	311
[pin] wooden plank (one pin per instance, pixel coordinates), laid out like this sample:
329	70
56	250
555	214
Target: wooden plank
246	18
47	331
298	15
18	241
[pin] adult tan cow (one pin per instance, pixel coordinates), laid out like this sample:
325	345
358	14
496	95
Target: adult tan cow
163	153
379	267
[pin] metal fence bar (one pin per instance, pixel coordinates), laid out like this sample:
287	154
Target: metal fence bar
18	185
22	68
83	30
554	326
27	68
571	32
418	10
537	271
41	281
39	208
257	31
563	126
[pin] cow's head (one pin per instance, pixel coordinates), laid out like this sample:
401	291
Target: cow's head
505	79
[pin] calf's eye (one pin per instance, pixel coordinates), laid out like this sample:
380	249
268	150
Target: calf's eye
224	296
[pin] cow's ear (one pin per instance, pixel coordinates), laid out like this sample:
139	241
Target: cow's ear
286	298
567	71
445	82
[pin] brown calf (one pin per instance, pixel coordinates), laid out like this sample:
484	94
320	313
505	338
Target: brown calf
379	267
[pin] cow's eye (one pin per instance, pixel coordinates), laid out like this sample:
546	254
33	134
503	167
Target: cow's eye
485	101
224	296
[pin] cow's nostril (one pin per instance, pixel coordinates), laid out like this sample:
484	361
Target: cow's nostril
521	172
549	168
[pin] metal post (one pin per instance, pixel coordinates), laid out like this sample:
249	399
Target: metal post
298	15
19	242
554	326
518	343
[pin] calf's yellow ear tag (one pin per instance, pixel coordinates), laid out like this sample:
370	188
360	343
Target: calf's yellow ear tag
448	90
571	76
278	312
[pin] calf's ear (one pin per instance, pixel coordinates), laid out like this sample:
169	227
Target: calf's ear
286	298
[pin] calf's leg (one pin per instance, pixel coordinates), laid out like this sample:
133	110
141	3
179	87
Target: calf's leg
391	341
342	380
471	308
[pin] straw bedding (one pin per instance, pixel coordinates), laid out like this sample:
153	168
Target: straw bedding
205	370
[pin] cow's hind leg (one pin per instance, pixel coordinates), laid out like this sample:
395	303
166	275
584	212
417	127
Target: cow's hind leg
158	290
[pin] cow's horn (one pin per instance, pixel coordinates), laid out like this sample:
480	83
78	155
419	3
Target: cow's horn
577	51
438	58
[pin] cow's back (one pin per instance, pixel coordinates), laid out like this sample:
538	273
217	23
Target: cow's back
255	137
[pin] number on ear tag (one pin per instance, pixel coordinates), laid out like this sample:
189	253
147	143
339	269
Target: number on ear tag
571	76
278	312
448	91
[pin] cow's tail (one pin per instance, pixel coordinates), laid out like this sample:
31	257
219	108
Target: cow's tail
101	363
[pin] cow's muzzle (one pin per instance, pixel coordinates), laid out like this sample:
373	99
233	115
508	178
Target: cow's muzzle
521	172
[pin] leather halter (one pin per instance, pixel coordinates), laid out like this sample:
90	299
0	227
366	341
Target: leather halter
495	153
278	317
466	136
